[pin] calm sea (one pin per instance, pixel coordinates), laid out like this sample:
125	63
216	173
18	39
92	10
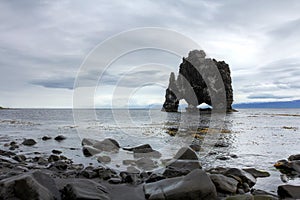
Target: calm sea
259	137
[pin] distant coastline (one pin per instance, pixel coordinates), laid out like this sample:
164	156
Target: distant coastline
279	104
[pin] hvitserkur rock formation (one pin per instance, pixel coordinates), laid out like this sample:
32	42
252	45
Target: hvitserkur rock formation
200	80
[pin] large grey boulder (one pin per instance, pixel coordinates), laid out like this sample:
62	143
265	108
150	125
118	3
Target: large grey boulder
288	191
224	184
32	185
85	189
92	147
195	185
242	175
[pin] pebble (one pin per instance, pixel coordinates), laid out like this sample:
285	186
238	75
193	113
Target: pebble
60	138
56	151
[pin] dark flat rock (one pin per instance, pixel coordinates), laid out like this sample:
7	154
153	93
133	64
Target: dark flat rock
29	142
31	185
288	191
195	185
84	189
224	184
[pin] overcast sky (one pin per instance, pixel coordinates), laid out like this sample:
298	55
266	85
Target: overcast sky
43	44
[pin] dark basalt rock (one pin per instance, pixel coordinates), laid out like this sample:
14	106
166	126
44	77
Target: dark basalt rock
192	86
33	185
288	191
29	142
85	189
195	185
60	138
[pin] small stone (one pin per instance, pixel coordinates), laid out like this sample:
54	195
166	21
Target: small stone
56	151
42	161
146	164
233	156
155	177
195	147
132	170
223	157
60	138
29	142
294	157
46	137
6	153
257	173
129	162
186	153
89	173
221	144
19	158
105	174
53	158
114	180
60	165
103	159
241	197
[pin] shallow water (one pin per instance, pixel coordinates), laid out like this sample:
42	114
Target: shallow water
259	137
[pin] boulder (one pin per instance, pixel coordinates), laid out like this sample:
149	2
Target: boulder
294	157
146	164
31	185
242	175
88	141
288	191
103	159
145	148
257	173
186	153
29	142
224	184
195	185
84	189
89	151
92	147
181	168
19	158
107	144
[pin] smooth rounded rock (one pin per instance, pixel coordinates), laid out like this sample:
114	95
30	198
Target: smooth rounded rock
29	142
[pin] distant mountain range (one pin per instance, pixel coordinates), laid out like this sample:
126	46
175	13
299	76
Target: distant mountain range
278	104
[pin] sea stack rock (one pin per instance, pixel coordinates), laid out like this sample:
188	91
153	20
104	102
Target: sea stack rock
200	80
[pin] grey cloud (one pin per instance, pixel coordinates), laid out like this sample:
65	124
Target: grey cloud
44	42
65	83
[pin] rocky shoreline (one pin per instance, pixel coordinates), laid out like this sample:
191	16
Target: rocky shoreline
56	177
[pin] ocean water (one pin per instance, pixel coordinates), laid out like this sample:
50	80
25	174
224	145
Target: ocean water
259	137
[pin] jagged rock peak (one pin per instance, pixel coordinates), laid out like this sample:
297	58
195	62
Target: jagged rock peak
193	86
